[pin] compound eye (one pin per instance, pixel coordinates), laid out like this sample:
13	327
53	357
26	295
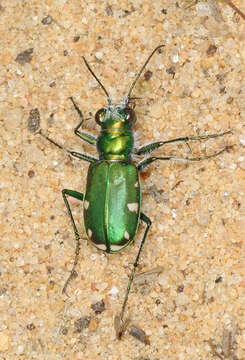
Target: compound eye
130	115
99	116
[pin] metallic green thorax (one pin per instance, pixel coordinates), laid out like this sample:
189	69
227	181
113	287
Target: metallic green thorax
113	194
116	139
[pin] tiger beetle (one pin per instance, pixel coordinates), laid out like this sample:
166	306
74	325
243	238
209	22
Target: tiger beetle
112	200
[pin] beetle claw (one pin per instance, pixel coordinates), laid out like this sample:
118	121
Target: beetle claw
120	326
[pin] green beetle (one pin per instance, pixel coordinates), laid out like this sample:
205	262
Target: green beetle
112	201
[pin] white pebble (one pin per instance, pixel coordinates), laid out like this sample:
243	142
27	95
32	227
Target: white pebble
242	141
114	291
175	58
99	55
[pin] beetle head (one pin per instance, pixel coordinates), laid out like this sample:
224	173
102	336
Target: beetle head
116	117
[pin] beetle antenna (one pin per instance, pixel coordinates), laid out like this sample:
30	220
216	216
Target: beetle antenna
142	69
100	83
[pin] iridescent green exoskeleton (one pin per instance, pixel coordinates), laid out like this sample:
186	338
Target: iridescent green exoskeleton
112	199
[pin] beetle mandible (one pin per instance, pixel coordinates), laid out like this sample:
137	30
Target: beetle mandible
112	199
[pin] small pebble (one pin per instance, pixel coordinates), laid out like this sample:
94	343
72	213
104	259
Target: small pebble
242	140
147	75
182	299
196	93
175	58
24	57
93	325
99	307
82	323
139	334
4	341
211	50
33	121
47	20
114	291
156	110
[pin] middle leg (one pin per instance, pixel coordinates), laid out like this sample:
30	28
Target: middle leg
79	196
142	164
78	155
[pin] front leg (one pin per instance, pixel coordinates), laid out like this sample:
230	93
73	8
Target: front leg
84	136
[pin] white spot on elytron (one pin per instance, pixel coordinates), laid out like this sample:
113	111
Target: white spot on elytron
136	184
126	235
86	204
118	180
117	247
90	233
133	207
100	246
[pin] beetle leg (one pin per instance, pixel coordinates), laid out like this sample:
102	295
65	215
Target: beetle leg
146	149
50	140
147	221
79	196
149	160
86	137
80	156
85	157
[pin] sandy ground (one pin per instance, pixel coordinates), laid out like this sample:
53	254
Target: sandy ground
194	309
